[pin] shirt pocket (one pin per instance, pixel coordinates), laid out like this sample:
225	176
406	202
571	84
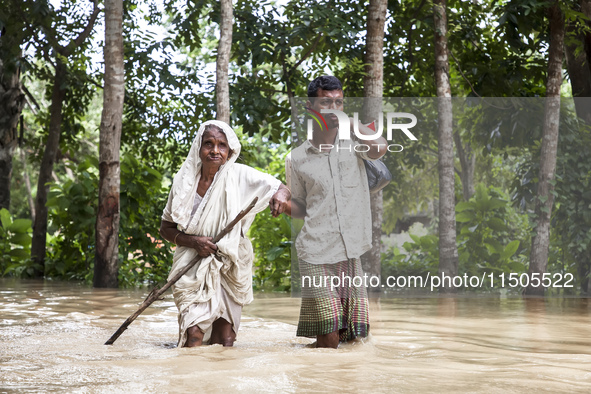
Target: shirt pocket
349	170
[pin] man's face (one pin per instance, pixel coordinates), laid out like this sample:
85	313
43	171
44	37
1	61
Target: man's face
328	99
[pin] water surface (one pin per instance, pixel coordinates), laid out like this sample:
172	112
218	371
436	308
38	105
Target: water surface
52	335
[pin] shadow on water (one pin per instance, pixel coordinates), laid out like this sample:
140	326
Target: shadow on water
52	335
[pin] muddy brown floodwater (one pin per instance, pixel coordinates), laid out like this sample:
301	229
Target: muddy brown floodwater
52	335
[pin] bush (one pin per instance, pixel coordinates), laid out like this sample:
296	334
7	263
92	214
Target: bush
488	238
15	246
73	207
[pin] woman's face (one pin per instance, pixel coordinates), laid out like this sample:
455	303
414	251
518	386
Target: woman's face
214	148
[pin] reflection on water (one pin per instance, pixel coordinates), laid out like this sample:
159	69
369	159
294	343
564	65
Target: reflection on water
52	335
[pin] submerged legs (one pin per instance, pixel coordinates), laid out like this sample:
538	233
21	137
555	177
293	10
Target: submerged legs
328	340
194	337
222	333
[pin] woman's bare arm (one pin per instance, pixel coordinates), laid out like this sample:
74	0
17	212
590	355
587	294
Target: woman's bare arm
203	245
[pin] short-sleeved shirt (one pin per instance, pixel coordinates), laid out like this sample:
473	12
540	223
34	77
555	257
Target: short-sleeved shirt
332	185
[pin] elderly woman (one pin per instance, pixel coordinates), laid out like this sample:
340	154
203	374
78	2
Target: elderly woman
209	190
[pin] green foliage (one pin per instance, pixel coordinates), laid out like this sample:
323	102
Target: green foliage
570	236
271	241
278	50
144	258
418	258
497	48
15	246
72	209
486	226
73	206
271	237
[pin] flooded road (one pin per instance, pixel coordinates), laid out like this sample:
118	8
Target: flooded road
52	335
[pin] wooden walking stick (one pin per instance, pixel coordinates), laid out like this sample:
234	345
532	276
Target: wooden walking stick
156	293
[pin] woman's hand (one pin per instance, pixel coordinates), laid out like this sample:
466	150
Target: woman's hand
278	202
203	245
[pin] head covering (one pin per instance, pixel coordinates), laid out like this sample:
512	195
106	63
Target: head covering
185	181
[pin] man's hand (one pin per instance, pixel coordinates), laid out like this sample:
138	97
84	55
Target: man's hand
278	202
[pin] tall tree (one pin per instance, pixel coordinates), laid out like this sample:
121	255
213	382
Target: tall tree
545	197
12	98
279	51
448	251
58	94
107	221
578	60
373	87
222	88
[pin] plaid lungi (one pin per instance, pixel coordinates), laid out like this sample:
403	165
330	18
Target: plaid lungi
327	308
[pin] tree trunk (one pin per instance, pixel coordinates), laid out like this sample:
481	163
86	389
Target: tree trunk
579	66
373	87
545	198
58	95
12	101
467	164
51	147
222	88
28	185
107	221
448	251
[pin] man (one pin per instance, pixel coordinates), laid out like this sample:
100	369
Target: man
329	188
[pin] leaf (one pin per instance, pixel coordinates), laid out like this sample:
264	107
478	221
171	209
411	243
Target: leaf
495	203
517	267
5	218
274	252
463	206
21	226
491	248
497	224
510	249
464	217
481	193
19	253
23	240
285	224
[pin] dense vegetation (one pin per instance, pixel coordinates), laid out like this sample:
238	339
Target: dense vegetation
497	49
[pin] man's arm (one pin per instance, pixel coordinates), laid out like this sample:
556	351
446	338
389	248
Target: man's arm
377	147
295	209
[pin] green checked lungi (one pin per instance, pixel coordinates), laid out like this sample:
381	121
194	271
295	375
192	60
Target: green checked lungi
327	307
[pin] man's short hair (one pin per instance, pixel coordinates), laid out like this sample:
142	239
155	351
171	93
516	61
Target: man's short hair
325	82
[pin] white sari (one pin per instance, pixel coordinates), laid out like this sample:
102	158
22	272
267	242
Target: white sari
216	287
